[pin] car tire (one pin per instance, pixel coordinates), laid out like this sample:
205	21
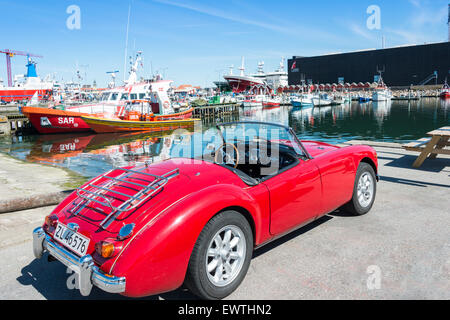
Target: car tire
364	191
221	256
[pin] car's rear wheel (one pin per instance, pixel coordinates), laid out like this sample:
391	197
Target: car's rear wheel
364	190
221	256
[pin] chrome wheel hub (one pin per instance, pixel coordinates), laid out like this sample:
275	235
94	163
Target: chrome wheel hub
225	256
365	189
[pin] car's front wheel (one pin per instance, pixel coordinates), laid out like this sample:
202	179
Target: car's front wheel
221	256
364	190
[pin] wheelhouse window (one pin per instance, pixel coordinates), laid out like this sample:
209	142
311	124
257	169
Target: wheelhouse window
124	96
105	96
114	96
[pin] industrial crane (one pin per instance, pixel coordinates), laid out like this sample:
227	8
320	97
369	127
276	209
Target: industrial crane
11	53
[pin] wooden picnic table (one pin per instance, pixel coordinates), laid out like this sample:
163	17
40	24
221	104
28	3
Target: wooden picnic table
430	146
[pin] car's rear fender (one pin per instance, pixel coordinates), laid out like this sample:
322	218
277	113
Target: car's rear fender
156	259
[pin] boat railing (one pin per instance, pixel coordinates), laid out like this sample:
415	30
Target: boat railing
103	191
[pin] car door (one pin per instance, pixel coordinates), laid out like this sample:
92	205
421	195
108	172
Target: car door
295	197
337	171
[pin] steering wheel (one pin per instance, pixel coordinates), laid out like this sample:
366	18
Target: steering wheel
225	156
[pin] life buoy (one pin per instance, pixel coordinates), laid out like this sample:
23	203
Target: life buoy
166	104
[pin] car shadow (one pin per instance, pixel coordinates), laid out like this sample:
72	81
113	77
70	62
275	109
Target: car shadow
414	183
294	234
50	279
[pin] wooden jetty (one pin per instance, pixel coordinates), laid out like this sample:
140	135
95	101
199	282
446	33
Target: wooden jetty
210	113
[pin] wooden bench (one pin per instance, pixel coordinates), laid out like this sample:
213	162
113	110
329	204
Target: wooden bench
430	146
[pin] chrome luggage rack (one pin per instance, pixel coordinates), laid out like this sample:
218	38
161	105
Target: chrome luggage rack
145	185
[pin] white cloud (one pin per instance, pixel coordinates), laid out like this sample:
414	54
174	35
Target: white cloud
310	31
216	13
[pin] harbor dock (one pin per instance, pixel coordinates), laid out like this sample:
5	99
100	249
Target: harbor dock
12	121
26	185
209	113
405	237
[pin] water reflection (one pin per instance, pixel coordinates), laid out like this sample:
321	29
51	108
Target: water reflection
92	154
276	115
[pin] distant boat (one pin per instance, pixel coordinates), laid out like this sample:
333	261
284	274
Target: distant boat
302	101
445	91
338	100
321	100
253	101
363	99
271	102
29	86
381	92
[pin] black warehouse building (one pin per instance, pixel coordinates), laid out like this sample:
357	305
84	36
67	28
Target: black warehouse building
402	66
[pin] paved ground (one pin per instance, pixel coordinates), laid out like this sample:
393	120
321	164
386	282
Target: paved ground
400	250
20	179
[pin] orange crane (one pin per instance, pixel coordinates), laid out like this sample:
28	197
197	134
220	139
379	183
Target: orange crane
11	53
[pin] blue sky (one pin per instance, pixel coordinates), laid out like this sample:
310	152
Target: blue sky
195	42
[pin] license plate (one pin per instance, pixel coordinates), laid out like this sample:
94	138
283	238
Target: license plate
71	239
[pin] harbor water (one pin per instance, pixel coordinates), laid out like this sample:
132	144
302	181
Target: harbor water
91	154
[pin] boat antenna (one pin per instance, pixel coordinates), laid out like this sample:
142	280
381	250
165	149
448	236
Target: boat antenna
126	44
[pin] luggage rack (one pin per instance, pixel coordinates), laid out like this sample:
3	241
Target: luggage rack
146	185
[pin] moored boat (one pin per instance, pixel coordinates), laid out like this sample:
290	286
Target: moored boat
381	92
271	102
30	85
112	104
302	101
47	120
445	91
321	100
140	122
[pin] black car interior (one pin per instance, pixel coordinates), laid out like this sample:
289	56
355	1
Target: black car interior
256	163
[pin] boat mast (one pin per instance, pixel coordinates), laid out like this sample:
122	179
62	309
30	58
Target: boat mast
126	45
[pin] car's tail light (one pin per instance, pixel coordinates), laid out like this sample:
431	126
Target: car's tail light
107	248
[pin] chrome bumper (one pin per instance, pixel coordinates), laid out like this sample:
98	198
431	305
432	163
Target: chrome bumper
88	273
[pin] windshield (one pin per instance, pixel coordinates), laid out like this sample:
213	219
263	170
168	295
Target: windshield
260	132
240	134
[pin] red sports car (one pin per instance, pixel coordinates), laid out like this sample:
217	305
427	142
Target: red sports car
196	218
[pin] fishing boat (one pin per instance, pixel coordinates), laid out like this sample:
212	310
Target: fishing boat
364	99
381	92
302	101
338	100
253	101
135	121
445	91
271	102
321	100
240	83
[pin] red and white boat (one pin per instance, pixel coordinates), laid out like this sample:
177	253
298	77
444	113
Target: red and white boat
445	92
113	104
271	102
253	101
242	82
26	86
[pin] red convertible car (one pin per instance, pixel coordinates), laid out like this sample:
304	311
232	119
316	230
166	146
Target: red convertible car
196	219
